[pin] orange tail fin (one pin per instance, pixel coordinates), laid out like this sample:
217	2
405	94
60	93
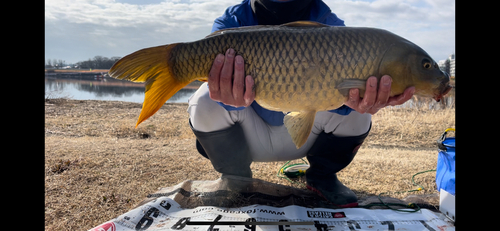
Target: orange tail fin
150	65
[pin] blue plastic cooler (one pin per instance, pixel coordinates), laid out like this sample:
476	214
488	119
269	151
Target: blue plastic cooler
445	171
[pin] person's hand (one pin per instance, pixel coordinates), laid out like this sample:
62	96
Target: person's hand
227	82
373	101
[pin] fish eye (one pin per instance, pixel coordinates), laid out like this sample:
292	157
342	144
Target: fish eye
427	64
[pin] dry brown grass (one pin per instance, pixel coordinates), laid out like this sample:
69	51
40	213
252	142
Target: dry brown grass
98	166
416	127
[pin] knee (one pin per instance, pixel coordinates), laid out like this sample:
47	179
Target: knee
205	114
355	124
200	101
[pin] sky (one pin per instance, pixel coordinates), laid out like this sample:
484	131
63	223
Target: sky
76	30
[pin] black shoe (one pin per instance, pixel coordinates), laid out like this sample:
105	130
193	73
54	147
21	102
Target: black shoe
226	149
328	155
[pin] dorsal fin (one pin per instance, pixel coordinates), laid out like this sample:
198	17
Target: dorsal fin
259	27
304	24
243	28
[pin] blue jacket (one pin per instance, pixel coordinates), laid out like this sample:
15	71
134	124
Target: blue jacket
242	15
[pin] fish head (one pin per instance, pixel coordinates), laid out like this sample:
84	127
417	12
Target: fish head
409	65
430	81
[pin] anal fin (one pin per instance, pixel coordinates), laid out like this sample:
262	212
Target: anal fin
299	125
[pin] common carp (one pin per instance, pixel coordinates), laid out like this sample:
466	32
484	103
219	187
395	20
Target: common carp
299	68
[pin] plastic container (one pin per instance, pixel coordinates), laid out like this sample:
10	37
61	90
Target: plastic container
445	171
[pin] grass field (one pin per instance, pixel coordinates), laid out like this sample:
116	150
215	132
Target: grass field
97	165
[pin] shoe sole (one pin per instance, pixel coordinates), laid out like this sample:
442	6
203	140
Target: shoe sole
349	205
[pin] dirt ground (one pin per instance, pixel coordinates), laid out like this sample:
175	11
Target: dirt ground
98	166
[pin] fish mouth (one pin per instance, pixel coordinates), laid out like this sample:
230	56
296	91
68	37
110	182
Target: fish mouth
444	89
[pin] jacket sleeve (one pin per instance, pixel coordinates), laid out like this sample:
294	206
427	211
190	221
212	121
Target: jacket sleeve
235	16
333	20
224	22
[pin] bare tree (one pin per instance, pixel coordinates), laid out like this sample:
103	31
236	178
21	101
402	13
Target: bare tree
61	63
98	62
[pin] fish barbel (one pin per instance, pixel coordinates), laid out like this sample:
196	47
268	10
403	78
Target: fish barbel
300	67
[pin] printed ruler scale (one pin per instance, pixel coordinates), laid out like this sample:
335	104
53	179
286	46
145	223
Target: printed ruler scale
164	213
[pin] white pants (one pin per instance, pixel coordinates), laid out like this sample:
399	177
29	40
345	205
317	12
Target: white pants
269	143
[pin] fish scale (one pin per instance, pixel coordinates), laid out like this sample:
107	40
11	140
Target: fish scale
300	67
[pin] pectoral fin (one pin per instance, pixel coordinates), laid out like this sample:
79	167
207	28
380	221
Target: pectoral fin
299	125
347	84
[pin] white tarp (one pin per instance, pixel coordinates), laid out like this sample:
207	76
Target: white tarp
181	208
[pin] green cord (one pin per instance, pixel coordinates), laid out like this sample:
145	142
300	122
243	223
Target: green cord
420	187
281	172
410	205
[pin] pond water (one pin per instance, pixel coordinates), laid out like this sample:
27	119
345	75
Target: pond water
104	89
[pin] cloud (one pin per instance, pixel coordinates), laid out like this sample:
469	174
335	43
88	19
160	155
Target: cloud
113	28
115	14
76	30
429	24
382	12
